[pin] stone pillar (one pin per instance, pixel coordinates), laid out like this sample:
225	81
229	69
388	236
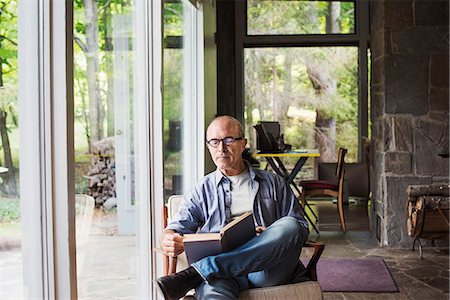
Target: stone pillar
409	107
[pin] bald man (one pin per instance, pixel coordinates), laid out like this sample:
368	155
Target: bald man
270	258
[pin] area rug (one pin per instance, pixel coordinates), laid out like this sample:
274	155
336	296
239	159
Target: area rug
355	275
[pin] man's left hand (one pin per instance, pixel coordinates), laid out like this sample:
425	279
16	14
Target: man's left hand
260	229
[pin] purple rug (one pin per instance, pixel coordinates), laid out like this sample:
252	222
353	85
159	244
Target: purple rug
355	275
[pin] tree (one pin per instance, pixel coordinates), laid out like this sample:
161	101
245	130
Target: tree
93	35
320	80
96	109
8	84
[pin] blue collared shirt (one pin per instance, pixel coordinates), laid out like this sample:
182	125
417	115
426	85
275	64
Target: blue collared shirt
206	206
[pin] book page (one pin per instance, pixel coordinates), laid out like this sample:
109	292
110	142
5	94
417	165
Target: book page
235	221
201	237
238	233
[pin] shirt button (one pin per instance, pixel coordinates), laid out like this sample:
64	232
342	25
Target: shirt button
227	191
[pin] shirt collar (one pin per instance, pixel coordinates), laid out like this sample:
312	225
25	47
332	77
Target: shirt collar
219	176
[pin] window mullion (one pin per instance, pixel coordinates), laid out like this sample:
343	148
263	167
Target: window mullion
300	40
362	23
46	149
60	146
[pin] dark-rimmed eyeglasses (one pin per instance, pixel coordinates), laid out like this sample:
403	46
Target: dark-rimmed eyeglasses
226	141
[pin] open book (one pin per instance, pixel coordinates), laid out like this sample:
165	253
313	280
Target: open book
234	234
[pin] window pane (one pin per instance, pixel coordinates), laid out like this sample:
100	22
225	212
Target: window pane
173	122
173	97
312	92
300	17
106	210
179	96
11	277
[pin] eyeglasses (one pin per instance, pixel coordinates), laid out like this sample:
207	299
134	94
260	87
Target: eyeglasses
226	141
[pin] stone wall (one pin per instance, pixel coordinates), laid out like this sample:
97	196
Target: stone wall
409	107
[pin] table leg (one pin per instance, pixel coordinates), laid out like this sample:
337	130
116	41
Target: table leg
275	167
297	168
279	168
283	168
306	202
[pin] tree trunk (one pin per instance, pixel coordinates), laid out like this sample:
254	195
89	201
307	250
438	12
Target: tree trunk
8	177
313	16
109	70
249	110
285	101
96	110
260	97
334	10
325	127
325	137
274	88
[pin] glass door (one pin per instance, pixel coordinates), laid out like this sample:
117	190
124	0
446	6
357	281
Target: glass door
112	147
90	160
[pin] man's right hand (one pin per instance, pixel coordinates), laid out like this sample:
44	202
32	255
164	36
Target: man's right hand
172	243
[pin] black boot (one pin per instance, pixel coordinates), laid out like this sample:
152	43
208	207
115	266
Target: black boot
177	285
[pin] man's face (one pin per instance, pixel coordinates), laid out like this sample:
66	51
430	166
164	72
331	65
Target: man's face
227	158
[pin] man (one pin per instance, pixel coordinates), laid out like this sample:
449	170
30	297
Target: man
270	258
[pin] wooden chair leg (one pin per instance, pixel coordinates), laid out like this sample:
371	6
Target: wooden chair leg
165	264
340	206
172	265
311	268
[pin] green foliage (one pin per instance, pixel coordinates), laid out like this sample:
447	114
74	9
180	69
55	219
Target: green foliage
296	17
299	137
9	80
346	17
8	37
9	210
173	89
291	84
307	79
107	10
8	42
82	162
173	18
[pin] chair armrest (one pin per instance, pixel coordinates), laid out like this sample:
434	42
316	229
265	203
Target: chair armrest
311	268
169	263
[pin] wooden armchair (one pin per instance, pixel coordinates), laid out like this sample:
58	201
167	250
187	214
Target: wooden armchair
308	290
335	189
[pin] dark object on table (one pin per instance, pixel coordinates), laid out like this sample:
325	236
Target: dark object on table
269	139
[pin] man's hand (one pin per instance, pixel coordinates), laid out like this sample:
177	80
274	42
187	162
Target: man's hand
172	243
260	229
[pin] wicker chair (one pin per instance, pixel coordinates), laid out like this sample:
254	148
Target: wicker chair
308	290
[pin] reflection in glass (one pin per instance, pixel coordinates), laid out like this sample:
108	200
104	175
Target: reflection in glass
300	17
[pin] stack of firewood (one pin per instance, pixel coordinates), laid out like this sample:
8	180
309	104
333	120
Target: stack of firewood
102	171
427	211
